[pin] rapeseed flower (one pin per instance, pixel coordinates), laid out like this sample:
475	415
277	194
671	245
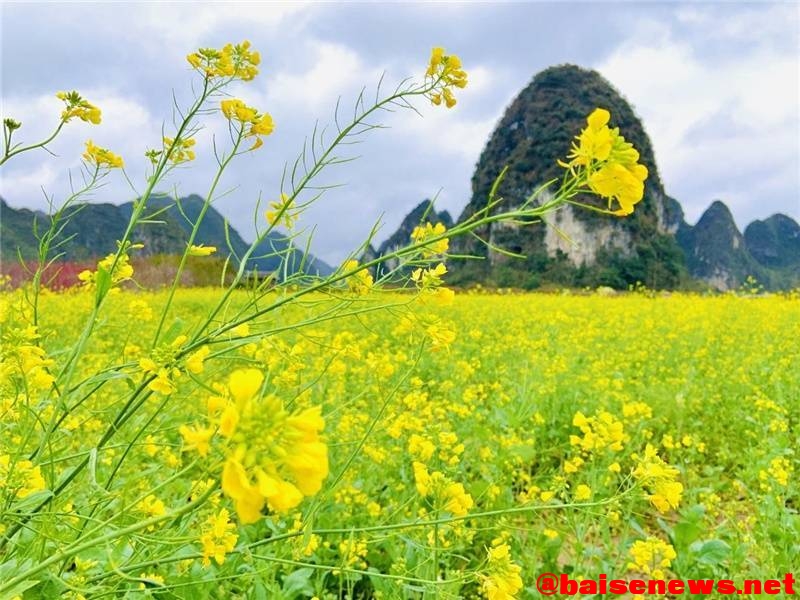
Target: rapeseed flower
445	72
102	157
280	212
218	537
275	458
260	124
607	164
359	282
660	479
423	233
443	493
79	108
651	557
20	478
502	580
180	149
233	61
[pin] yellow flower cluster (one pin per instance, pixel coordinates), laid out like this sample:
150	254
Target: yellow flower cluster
275	458
502	580
608	163
102	157
446	73
21	356
445	494
650	557
353	552
659	478
260	124
218	537
423	233
20	478
583	493
181	149
78	107
599	432
119	272
162	363
201	250
235	61
360	282
280	212
429	278
780	471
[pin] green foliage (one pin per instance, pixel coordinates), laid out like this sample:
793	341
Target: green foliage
91	231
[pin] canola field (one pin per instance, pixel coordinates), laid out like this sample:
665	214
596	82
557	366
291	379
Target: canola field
307	456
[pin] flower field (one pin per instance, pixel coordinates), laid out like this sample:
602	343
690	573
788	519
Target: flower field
338	447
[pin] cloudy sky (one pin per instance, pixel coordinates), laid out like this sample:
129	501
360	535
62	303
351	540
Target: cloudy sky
716	84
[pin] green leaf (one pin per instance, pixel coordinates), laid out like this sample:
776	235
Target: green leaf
299	583
711	552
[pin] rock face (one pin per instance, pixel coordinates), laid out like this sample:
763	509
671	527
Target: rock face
577	247
92	230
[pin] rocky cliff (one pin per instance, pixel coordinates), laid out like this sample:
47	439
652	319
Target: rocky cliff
576	247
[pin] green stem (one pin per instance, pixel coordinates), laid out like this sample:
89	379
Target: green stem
8	153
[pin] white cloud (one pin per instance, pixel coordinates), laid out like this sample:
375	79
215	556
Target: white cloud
745	104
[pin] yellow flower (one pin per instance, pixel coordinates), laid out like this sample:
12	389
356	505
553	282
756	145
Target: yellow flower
660	479
422	478
445	72
276	458
651	556
237	485
236	110
78	107
180	149
101	157
218	537
594	142
429	278
422	233
201	250
264	125
244	384
360	282
607	163
447	495
281	212
502	580
163	383
194	362
235	61
583	492
196	438
20	477
152	506
622	183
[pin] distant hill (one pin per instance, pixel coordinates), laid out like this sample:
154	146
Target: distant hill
537	130
93	230
580	248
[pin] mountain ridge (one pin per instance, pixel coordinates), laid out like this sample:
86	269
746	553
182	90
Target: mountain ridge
94	229
654	246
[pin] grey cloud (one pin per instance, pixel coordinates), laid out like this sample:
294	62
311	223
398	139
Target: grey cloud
118	48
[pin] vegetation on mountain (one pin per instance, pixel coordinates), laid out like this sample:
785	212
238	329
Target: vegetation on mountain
92	231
